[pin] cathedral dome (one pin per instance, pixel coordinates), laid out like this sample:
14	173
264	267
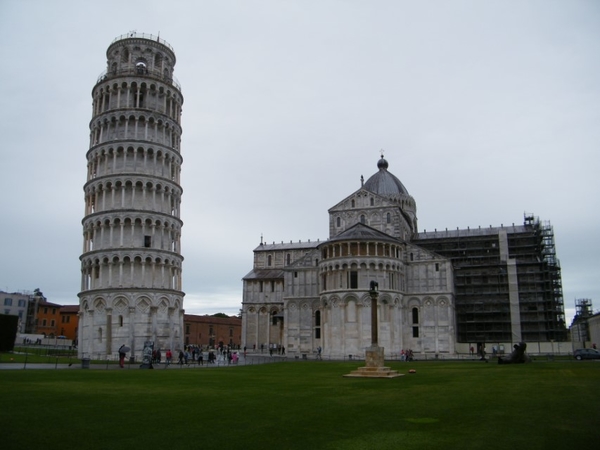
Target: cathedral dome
384	183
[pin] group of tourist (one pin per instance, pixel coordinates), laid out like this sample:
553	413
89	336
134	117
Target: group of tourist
406	355
195	355
156	356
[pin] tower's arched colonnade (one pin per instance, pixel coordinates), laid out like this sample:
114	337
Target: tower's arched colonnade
131	265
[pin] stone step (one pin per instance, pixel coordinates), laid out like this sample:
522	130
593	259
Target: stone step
374	372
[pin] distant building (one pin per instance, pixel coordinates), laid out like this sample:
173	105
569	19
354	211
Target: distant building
69	322
585	327
439	292
594	329
16	304
25	306
48	318
211	331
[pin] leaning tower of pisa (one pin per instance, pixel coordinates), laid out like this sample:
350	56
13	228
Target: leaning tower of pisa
131	262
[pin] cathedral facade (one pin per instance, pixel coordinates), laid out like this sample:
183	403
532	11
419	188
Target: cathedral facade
306	296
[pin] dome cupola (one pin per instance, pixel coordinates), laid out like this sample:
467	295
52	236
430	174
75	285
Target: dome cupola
384	183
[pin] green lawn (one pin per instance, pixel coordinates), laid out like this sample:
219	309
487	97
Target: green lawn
305	405
45	355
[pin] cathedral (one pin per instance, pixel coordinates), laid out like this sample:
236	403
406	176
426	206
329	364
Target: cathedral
440	293
311	295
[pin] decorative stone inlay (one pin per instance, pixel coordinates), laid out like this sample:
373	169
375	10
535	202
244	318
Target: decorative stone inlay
120	305
143	305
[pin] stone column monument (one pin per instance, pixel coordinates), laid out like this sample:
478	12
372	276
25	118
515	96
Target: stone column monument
374	359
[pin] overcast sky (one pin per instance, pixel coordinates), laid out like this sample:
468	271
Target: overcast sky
485	110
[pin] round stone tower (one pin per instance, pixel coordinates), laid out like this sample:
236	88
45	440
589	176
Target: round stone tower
131	263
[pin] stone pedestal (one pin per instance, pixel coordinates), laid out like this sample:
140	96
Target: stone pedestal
374	367
374	356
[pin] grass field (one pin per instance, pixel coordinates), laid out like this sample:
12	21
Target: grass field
305	405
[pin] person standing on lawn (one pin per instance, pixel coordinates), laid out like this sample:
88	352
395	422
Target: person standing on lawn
121	356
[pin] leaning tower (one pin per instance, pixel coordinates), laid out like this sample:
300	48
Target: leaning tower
131	263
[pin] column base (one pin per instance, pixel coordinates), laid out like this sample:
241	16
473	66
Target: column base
374	367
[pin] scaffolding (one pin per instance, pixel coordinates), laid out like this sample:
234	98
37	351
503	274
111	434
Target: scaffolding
580	325
483	288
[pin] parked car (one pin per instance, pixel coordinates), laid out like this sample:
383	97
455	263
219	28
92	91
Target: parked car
586	353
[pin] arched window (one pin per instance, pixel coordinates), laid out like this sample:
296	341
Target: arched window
288	259
372	201
269	260
120	321
415	320
389	217
363	219
140	67
338	222
353	279
317	324
352	203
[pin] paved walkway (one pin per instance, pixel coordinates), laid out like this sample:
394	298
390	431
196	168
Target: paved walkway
16	366
77	364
